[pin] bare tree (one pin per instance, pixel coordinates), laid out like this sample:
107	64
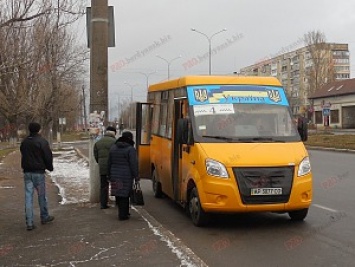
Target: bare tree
40	62
321	70
14	12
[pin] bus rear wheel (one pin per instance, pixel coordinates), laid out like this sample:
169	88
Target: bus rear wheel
298	215
198	216
158	192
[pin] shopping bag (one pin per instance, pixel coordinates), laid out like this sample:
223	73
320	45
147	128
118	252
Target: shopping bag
137	195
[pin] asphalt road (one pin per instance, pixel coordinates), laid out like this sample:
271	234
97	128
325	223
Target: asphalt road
326	238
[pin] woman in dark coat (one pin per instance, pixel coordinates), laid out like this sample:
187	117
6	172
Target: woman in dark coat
122	169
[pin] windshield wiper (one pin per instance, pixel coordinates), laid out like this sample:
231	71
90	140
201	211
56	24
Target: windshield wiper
218	137
260	139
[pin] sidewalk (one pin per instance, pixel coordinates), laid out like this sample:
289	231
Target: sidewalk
81	235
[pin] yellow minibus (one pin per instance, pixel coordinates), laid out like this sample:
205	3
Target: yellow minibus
223	144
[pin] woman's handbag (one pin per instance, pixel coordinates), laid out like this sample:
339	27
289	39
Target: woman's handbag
137	195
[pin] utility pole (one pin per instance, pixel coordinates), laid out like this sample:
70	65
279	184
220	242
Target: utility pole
98	57
98	81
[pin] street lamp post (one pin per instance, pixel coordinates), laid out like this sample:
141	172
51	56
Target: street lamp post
147	76
209	38
168	62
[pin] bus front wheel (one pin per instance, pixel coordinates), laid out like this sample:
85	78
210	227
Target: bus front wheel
158	192
298	215
198	216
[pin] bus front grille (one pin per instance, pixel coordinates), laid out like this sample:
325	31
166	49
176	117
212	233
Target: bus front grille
256	183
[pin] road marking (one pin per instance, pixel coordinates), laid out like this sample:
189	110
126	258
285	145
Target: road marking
184	253
324	208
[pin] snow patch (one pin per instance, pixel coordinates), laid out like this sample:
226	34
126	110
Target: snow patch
71	176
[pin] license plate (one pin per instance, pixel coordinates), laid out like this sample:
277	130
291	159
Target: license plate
265	191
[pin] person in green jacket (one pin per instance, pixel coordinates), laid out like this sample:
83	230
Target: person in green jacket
101	152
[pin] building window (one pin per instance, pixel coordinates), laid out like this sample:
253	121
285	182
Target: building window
307	55
319	117
334	116
294	93
342	68
341	61
341	54
342	76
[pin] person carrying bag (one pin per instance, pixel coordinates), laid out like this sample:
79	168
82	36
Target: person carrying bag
122	170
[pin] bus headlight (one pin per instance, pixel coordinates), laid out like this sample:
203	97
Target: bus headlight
305	167
216	168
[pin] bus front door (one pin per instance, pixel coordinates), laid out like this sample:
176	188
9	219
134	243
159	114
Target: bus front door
179	152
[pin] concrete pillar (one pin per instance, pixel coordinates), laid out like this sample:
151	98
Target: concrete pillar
98	81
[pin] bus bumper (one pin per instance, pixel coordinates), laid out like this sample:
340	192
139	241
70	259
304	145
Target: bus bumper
223	196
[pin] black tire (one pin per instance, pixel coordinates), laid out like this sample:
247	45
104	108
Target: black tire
198	216
298	215
158	192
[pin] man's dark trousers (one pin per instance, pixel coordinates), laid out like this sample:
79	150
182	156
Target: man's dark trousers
104	191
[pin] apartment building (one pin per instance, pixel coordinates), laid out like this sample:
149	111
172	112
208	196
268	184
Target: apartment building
294	70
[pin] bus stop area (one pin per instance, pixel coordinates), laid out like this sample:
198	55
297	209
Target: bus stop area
81	235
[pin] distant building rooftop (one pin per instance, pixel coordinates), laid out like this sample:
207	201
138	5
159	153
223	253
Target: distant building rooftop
342	87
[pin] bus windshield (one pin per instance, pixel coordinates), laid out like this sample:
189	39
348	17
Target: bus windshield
243	123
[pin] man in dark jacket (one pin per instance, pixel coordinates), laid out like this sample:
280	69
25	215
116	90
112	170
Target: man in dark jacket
36	158
101	150
122	169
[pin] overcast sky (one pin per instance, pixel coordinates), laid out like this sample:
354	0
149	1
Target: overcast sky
256	30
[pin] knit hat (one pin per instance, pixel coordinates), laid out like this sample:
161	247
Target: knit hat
34	127
110	128
127	134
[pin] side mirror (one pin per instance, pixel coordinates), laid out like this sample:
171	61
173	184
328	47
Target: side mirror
184	132
181	133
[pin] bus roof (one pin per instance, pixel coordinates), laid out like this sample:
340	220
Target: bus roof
206	80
